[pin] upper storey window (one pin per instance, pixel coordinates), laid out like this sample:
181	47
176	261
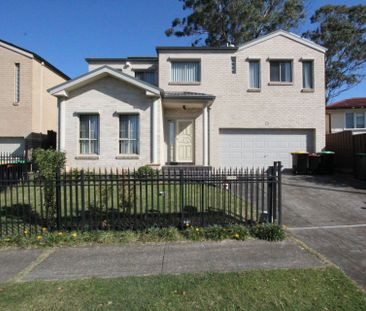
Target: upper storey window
281	71
147	76
307	74
186	72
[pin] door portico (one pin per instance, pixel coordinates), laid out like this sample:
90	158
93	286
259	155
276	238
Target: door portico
186	131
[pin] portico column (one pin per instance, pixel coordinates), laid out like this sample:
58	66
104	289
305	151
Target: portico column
61	123
154	130
205	135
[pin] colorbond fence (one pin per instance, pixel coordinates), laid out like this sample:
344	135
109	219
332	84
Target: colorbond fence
345	145
96	200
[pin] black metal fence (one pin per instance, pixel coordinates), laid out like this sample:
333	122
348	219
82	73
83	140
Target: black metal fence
13	166
96	200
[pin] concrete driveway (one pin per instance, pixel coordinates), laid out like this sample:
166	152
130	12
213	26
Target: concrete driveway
329	214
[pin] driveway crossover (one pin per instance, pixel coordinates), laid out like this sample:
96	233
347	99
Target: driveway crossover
329	214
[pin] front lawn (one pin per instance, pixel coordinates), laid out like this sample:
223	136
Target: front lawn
124	205
295	289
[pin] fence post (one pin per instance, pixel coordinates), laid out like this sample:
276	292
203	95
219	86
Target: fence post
279	189
270	192
82	184
181	190
58	199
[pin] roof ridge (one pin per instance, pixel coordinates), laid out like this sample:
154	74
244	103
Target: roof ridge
39	58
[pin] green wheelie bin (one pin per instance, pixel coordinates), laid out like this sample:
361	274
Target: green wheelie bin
360	165
326	162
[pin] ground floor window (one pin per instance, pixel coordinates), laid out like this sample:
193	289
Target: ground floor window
89	134
128	134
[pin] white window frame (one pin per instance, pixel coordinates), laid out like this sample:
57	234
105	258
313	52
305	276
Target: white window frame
284	60
354	120
89	139
129	139
312	73
194	82
250	88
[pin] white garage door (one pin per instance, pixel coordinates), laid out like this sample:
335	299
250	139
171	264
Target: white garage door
261	147
13	145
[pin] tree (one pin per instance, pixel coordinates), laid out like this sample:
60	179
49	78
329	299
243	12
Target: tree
342	30
222	22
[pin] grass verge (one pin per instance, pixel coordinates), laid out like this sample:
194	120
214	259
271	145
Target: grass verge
294	289
270	232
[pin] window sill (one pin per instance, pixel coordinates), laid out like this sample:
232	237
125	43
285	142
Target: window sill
254	90
87	157
184	83
281	83
355	129
127	157
307	90
16	103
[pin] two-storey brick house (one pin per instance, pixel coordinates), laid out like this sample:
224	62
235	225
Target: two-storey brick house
27	110
232	106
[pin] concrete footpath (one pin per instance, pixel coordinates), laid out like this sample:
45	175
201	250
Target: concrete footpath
151	259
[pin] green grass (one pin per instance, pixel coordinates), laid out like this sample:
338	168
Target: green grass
325	289
269	232
106	201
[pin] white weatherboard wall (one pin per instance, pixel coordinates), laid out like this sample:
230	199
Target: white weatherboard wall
260	148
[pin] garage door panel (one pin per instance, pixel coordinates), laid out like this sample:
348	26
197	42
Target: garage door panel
13	145
261	147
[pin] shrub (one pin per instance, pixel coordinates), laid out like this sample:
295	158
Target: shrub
237	232
145	171
48	163
216	233
269	232
193	233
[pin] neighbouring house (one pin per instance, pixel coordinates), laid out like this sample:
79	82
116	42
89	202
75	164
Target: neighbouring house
27	110
231	107
346	115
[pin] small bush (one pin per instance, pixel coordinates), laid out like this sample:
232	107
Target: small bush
145	171
269	232
216	233
194	233
238	232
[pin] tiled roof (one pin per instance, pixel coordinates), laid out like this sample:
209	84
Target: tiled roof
350	103
40	59
187	95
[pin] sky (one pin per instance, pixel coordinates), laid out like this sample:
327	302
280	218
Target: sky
65	32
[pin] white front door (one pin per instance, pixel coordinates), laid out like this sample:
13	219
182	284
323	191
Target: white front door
184	141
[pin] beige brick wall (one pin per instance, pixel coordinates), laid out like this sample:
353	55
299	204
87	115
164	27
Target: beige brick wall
44	115
37	110
128	69
15	120
107	96
274	107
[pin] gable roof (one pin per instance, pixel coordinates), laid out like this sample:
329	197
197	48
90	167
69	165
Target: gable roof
285	34
121	59
31	54
63	88
350	103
